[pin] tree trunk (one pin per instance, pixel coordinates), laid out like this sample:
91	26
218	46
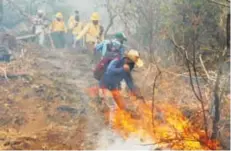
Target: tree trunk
216	102
1	11
228	31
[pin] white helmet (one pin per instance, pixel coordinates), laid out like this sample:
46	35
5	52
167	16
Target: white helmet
40	11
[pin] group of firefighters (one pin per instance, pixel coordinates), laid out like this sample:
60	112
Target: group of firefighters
114	64
91	32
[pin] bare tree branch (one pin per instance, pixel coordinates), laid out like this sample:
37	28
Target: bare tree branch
20	10
113	13
189	64
203	66
219	3
216	106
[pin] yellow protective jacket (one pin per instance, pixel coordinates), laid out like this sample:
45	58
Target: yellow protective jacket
77	28
58	26
71	22
91	32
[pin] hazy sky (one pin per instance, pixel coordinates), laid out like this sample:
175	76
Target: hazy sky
86	7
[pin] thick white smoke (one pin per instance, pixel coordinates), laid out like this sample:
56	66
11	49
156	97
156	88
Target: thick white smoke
109	140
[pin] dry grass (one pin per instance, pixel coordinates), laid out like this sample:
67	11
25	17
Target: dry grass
174	87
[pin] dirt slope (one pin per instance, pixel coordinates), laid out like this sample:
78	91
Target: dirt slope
47	108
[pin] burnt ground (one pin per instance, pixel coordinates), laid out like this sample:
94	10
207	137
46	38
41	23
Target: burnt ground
46	104
47	107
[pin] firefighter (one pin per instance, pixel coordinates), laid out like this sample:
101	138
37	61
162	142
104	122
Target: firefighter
39	25
115	45
71	21
118	70
58	30
92	32
75	27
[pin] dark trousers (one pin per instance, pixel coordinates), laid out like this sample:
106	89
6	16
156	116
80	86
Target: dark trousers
58	39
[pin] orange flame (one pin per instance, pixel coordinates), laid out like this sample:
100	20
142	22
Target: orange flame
169	129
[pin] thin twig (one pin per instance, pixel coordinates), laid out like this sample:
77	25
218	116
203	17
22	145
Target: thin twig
198	97
166	141
20	10
219	3
153	95
203	66
217	99
153	89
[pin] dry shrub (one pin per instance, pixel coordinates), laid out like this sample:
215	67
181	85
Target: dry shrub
174	87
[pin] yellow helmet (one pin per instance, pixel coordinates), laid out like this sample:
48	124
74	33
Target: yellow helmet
134	56
59	15
95	16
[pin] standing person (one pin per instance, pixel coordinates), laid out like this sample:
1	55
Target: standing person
75	27
92	32
71	21
58	30
39	25
118	70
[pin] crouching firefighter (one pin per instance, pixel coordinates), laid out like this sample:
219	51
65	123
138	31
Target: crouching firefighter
118	70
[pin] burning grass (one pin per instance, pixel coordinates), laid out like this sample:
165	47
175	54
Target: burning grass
165	126
169	128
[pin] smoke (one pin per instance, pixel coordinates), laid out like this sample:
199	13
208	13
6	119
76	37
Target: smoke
86	7
109	140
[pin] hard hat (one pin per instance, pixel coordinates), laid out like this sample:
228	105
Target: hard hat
134	56
59	15
121	36
40	11
95	16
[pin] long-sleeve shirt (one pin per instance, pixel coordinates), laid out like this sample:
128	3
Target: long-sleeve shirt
114	44
71	22
77	28
58	26
115	73
39	24
91	32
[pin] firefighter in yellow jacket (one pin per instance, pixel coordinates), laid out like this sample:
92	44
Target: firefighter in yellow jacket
92	32
72	20
75	26
58	30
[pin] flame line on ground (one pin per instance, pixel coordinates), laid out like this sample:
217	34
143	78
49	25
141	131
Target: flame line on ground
166	141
